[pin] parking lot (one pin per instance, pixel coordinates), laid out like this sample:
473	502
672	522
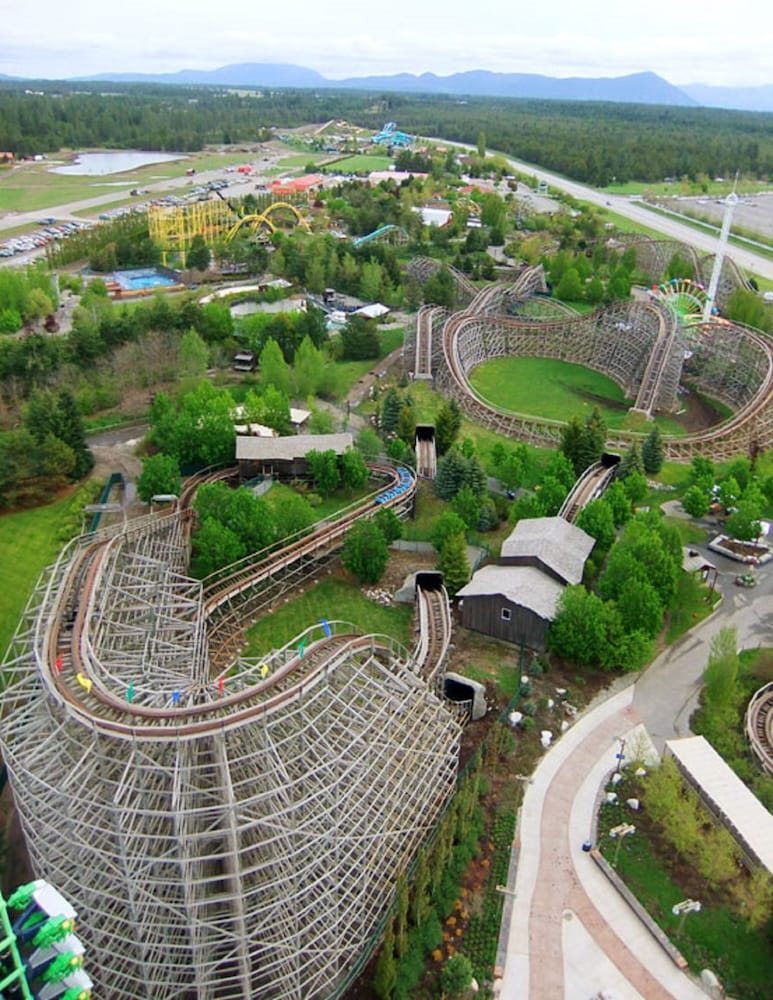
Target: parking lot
753	214
39	239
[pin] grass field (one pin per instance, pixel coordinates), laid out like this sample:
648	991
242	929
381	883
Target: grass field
360	164
545	387
34	187
334	599
671	188
29	541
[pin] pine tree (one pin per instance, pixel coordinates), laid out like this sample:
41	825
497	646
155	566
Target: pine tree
70	430
447	424
631	462
652	452
402	903
451	474
390	410
453	564
385	977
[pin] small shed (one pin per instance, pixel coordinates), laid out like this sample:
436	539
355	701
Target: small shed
244	361
514	603
284	456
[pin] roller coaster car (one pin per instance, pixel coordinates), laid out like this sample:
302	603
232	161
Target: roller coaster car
745	580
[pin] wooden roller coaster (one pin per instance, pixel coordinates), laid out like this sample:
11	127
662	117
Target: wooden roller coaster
235	826
759	726
638	344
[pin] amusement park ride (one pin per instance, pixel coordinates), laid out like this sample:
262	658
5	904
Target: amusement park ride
390	135
40	957
174	228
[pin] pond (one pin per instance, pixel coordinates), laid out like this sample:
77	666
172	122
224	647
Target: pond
247	308
97	164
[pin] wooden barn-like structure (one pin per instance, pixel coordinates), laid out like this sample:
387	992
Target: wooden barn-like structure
284	457
517	599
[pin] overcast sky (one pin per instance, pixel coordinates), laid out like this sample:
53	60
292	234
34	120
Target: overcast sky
682	40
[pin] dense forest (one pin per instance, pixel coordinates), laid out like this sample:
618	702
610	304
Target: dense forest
590	141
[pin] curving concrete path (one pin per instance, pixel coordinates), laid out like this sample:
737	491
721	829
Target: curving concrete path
566	933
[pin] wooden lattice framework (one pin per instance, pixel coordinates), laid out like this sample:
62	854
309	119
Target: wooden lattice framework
231	834
654	256
638	345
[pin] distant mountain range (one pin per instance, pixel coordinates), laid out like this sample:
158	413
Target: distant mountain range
636	88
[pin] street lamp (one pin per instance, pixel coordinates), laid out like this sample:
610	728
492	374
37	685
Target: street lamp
505	891
620	755
619	832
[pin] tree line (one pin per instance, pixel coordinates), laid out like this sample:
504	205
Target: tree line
594	142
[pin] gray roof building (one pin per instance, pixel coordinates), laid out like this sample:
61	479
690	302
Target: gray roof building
289	449
550	543
526	586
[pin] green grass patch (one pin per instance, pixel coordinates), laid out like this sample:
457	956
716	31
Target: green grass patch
29	541
327	507
556	390
715	938
490	661
297	160
427	509
334	599
361	163
709	188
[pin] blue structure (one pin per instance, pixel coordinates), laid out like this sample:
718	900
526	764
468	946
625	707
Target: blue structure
406	478
391	136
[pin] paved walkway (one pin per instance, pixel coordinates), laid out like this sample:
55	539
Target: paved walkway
570	936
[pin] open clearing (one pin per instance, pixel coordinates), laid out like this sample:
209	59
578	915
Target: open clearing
558	390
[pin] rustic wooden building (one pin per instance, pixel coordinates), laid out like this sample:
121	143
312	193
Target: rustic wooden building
284	456
516	600
516	604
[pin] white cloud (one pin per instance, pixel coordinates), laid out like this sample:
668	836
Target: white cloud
697	43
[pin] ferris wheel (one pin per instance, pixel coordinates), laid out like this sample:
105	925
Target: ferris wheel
685	297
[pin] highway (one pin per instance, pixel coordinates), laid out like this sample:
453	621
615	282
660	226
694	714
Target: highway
635	211
670	228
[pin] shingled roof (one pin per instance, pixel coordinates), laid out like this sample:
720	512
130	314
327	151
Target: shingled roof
526	586
260	449
559	546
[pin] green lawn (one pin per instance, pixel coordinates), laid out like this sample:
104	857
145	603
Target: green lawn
35	187
334	599
29	541
715	938
712	189
361	164
558	390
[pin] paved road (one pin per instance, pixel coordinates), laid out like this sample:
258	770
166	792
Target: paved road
634	211
568	934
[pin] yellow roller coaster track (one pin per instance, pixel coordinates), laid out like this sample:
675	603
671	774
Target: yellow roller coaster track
262	219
